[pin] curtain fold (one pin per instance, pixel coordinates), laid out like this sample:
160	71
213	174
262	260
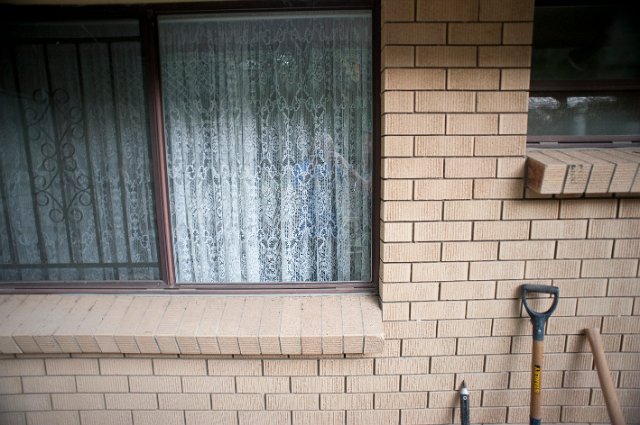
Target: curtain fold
268	130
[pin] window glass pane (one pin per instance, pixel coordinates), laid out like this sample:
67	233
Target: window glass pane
580	114
586	42
76	198
268	128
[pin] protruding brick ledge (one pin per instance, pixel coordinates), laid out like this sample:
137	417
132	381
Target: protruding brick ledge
175	324
576	171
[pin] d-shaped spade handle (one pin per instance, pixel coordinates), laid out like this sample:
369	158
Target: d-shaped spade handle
539	317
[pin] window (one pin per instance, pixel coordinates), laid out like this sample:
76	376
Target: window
75	172
189	149
585	75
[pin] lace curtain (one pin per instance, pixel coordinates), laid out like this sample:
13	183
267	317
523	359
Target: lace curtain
268	131
76	199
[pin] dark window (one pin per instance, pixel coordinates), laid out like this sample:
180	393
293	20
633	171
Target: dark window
75	170
585	74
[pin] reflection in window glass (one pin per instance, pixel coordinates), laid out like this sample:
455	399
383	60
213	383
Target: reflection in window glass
268	128
613	113
595	42
587	56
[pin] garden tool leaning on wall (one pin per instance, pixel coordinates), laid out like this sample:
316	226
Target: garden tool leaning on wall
604	376
537	352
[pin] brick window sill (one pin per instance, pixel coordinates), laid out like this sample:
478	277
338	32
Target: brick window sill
182	324
583	171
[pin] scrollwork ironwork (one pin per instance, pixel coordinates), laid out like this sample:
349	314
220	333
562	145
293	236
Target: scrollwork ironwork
58	153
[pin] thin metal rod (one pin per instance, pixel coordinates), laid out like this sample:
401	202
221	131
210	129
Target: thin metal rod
29	158
96	217
58	141
108	196
119	150
72	40
78	265
13	254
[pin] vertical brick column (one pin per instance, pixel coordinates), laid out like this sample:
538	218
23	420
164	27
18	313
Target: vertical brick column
455	75
455	79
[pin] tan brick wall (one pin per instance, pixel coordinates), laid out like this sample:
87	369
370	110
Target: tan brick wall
459	235
463	306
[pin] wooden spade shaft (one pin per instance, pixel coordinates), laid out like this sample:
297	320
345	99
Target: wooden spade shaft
536	380
608	390
538	319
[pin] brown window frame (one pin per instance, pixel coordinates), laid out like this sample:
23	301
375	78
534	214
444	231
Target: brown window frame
147	16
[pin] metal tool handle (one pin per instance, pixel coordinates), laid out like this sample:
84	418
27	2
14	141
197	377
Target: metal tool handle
539	317
464	405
